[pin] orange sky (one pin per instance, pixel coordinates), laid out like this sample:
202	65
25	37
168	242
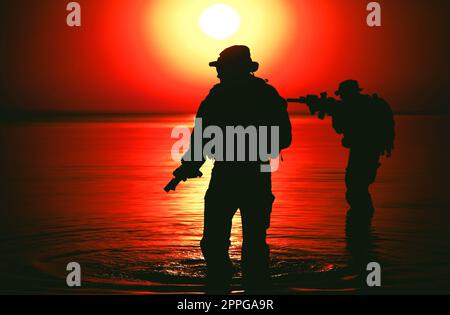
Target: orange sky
151	56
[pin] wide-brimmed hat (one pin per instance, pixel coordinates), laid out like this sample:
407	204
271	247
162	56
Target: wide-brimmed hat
348	86
237	56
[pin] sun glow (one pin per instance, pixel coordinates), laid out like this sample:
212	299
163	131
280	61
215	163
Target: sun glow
219	21
187	35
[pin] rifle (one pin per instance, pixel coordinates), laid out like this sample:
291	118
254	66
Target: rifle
172	185
322	105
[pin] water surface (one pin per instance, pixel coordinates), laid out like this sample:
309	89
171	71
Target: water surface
91	192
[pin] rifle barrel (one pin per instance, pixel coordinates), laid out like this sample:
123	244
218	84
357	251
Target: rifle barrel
172	185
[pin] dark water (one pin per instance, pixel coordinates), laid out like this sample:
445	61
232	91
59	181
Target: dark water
91	192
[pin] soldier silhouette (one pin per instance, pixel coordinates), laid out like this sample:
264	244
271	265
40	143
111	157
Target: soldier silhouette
367	125
240	99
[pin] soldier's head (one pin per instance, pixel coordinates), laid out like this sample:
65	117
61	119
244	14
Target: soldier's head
234	63
348	89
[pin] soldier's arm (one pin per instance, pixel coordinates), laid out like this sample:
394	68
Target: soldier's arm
285	126
282	119
192	162
337	118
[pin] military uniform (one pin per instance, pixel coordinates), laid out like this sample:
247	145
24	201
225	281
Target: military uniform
242	101
367	125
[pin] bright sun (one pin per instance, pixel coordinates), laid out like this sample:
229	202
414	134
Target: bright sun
219	21
186	35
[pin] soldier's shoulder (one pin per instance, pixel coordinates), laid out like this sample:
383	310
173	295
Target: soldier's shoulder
379	104
216	88
377	100
375	96
212	96
369	99
215	91
264	84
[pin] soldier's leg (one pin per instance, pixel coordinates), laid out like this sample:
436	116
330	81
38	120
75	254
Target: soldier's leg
361	172
216	241
255	251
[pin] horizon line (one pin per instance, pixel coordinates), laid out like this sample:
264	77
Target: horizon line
62	113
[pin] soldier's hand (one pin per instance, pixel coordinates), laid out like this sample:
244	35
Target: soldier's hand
183	172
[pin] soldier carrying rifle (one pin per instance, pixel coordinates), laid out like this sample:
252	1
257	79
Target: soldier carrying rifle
367	125
240	99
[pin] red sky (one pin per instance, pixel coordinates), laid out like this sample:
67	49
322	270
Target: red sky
130	56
